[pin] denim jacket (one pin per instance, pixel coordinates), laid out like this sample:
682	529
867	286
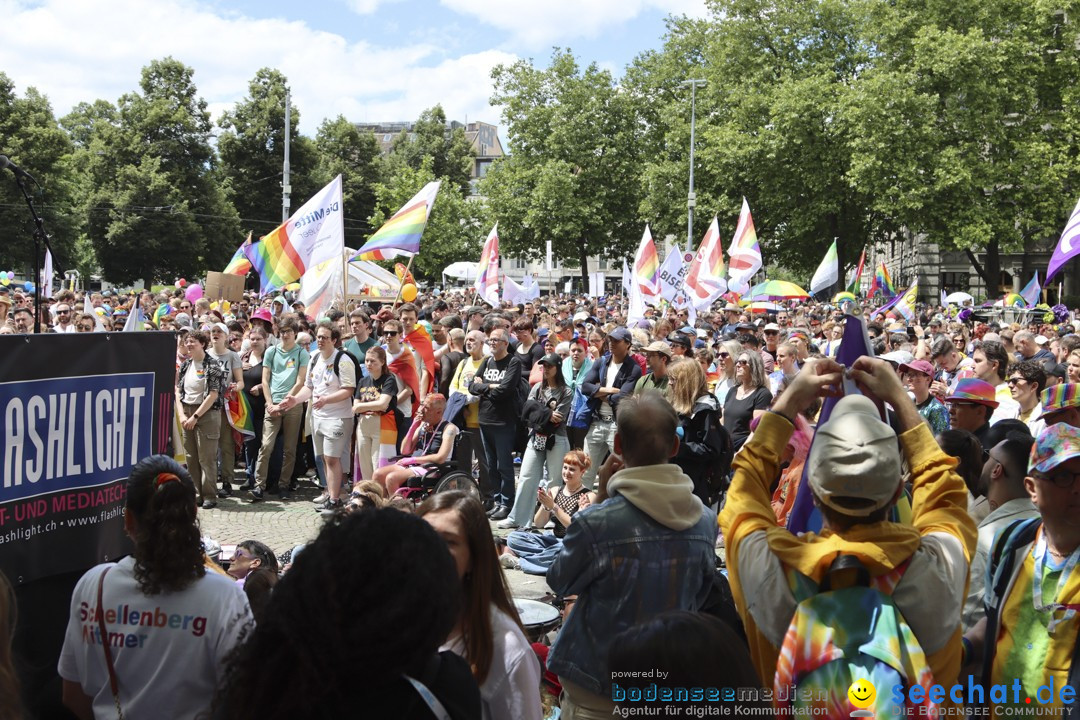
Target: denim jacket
625	568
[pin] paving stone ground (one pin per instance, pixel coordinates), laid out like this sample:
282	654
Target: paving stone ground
284	524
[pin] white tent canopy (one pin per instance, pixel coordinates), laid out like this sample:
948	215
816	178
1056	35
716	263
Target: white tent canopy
462	271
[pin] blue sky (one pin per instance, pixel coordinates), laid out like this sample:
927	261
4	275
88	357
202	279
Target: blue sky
370	60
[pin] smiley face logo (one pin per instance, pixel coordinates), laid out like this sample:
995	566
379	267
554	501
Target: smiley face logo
862	693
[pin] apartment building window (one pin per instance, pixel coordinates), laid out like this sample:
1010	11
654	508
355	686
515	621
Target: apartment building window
955	281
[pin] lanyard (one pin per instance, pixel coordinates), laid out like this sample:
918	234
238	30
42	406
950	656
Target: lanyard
1041	550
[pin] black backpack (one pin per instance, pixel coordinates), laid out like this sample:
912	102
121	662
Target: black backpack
356	366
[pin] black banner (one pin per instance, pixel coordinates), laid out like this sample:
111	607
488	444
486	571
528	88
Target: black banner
77	411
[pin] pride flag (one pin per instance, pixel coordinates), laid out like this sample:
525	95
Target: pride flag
882	283
1032	291
419	340
647	265
744	251
856	279
487	270
163	310
705	281
313	235
1068	245
240	414
400	235
239	265
404	366
827	273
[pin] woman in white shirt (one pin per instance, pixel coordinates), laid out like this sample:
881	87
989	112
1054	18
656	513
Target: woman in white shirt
488	634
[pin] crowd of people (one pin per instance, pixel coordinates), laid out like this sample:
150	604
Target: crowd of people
650	469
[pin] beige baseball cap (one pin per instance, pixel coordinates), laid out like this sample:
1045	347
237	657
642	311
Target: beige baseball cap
855	455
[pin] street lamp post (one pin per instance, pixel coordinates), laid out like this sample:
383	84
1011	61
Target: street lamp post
691	198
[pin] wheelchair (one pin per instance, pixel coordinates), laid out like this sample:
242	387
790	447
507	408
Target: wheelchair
456	474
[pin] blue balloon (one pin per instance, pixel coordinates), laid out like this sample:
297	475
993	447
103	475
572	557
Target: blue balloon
28	286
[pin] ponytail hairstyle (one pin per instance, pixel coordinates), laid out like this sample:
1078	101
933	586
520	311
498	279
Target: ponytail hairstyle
161	505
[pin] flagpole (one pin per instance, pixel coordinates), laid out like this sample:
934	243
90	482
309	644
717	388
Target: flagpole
344	279
402	283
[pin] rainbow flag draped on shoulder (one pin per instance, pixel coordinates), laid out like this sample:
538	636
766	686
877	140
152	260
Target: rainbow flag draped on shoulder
240	417
400	235
313	235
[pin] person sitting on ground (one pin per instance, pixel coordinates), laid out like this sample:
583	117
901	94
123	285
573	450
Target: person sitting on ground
371	598
854	473
534	553
181	621
430	440
488	633
251	555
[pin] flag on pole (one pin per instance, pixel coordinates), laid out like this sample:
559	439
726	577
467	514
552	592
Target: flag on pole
1032	291
827	273
882	283
625	277
1068	245
647	265
514	293
705	282
856	279
134	320
239	265
487	271
905	307
400	235
744	251
313	235
88	307
46	280
672	275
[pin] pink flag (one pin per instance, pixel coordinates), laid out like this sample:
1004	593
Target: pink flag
487	271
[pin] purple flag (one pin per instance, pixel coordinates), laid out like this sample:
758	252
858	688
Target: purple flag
804	517
1068	246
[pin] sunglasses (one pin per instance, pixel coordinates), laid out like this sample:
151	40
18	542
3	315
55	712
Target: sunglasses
724	355
742	362
389	333
1015	381
1061	480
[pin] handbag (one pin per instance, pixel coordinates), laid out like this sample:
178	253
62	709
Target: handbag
113	684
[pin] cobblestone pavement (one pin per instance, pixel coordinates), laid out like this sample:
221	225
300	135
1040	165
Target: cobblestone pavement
284	524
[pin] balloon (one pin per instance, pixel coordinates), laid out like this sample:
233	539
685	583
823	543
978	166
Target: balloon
194	292
181	283
4	281
10	275
28	286
293	286
408	292
226	305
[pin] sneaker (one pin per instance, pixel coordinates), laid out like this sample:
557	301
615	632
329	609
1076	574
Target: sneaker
507	524
510	562
322	498
247	487
330	506
294	485
225	491
209	505
256	495
285	494
500	514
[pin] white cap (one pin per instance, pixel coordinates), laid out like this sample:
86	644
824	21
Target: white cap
1041	340
854	455
900	357
772	326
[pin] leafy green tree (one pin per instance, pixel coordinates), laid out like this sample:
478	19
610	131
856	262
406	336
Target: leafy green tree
252	149
572	175
344	150
449	150
31	137
456	228
157	208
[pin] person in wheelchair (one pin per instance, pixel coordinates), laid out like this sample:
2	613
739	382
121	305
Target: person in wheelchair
429	442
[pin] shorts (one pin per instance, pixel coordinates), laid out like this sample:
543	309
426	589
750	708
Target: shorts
331	436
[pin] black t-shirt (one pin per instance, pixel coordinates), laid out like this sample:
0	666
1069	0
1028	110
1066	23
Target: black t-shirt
447	367
253	377
738	413
528	359
369	389
497	404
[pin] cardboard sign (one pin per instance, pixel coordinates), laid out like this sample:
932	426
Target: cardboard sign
220	286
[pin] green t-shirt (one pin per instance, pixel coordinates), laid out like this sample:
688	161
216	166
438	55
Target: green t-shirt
284	366
359	349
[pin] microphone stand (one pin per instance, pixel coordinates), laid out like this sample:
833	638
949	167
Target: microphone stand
40	236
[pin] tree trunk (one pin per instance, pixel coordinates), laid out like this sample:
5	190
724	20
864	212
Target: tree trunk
991	272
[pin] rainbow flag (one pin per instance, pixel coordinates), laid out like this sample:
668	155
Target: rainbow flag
240	414
404	366
420	340
856	279
647	265
400	235
239	265
163	310
744	250
487	270
882	283
313	235
705	281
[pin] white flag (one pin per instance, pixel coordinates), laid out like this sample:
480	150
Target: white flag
88	307
532	288
134	321
625	277
487	278
46	280
512	292
828	272
673	274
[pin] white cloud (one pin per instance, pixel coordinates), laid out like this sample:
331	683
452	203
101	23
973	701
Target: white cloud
75	51
540	24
